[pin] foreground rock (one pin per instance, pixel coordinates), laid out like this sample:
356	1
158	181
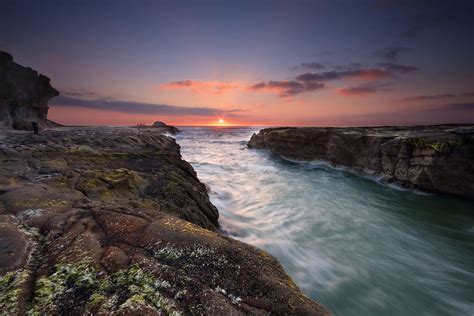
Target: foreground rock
431	158
24	95
113	221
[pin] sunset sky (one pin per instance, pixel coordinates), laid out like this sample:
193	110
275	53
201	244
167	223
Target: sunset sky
305	63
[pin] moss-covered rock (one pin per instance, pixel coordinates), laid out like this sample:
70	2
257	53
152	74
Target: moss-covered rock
81	284
120	224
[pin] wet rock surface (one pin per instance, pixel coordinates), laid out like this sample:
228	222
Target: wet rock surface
431	158
24	95
113	221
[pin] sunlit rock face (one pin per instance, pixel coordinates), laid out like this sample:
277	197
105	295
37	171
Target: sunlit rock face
431	158
24	95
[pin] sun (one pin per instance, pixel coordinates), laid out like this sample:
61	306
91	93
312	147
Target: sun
221	122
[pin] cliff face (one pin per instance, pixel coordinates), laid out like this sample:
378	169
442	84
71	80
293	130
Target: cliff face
24	95
113	221
432	158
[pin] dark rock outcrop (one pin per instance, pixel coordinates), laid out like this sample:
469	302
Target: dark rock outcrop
24	95
159	124
113	221
161	127
431	158
165	127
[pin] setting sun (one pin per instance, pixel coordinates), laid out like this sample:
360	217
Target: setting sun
221	121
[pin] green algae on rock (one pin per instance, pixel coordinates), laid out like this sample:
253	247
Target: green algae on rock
113	221
431	158
125	289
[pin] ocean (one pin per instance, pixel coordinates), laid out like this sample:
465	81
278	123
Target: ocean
350	242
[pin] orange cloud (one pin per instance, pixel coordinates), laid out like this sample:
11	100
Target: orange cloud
201	87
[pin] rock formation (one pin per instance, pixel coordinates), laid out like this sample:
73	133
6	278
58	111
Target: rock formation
113	221
24	95
431	158
159	124
166	128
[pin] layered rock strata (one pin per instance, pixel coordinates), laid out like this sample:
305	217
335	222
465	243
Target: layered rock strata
431	158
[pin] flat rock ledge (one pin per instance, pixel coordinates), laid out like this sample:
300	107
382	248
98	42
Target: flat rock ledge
437	159
111	221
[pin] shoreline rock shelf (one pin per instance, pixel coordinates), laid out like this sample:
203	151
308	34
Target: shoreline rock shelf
437	158
114	221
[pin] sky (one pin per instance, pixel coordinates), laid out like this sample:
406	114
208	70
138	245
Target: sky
264	63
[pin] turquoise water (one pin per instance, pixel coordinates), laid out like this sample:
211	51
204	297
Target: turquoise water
355	245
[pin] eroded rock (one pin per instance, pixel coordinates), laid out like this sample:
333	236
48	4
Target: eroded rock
112	221
24	95
431	158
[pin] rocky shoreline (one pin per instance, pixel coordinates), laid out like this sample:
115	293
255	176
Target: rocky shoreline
437	159
113	221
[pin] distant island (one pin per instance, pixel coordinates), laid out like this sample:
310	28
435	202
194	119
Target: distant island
159	126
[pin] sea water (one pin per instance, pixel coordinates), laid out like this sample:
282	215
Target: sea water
354	244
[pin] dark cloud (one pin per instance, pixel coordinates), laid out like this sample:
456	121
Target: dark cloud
84	94
430	97
468	107
439	96
288	88
392	53
369	74
365	89
311	81
397	68
138	107
182	83
387	70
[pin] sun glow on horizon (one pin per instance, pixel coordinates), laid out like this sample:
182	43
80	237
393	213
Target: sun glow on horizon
221	122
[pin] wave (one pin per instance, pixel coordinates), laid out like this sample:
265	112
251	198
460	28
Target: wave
355	242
